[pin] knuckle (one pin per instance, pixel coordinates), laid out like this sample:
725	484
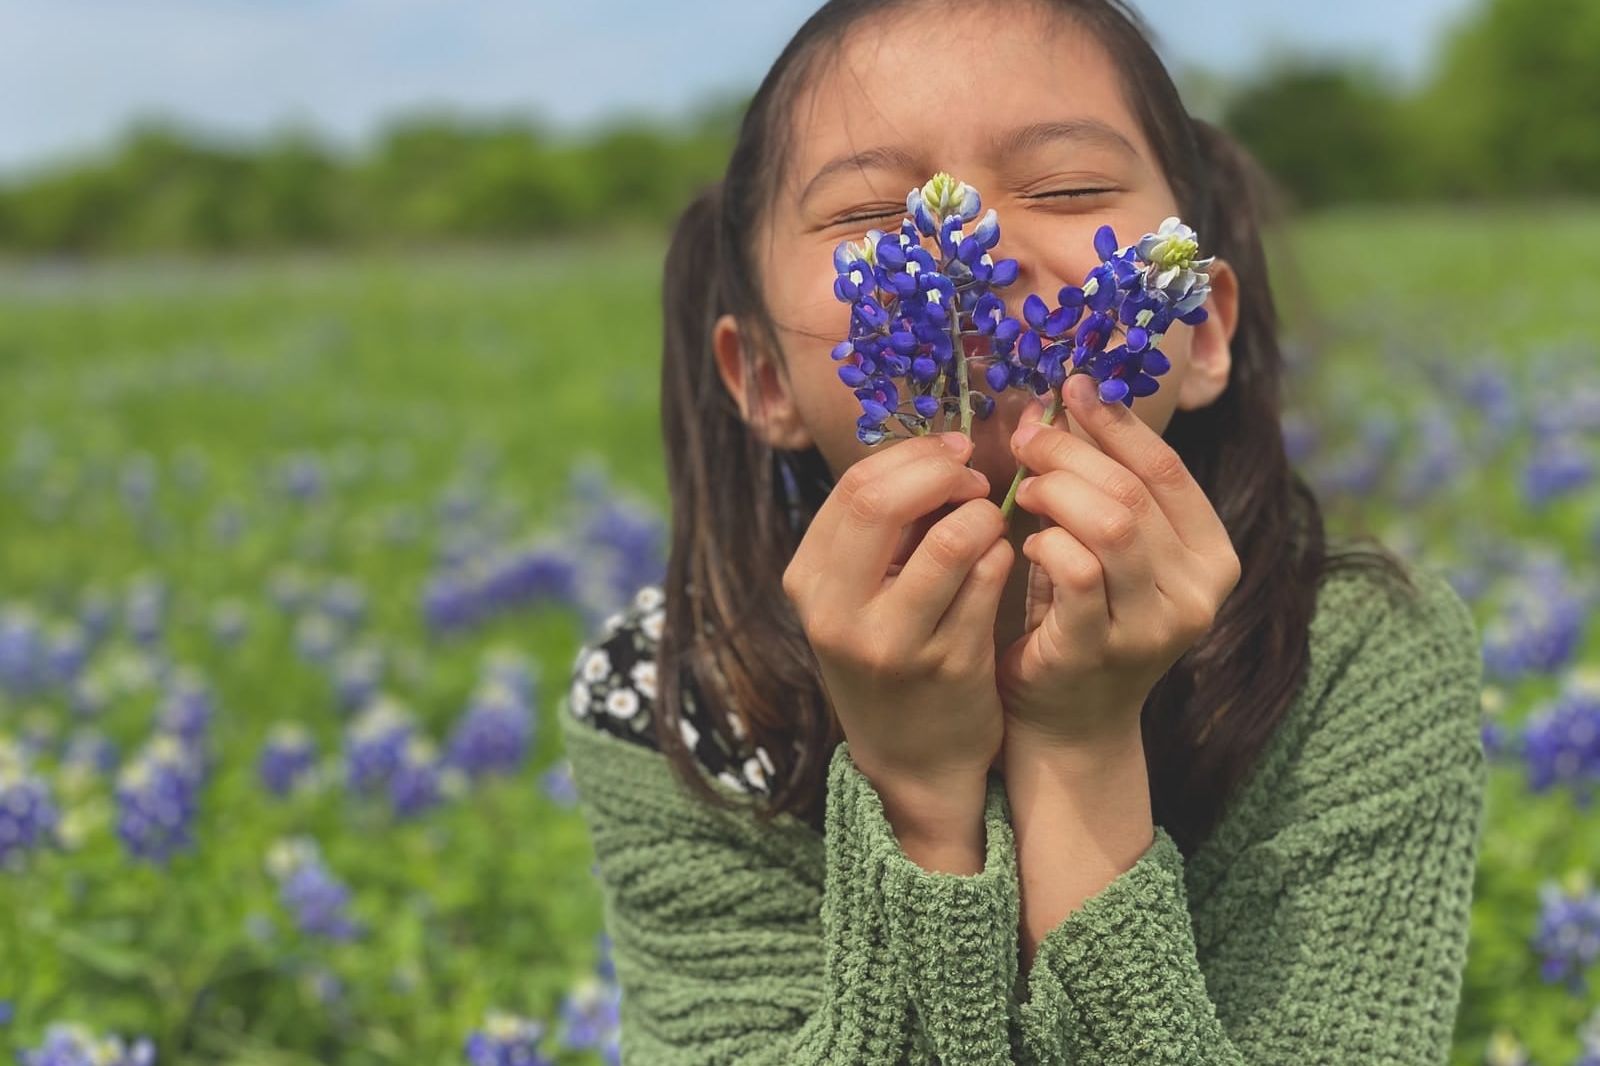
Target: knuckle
946	543
1118	527
1126	490
827	640
1084	573
869	502
855	476
791	583
1079	568
997	562
1167	468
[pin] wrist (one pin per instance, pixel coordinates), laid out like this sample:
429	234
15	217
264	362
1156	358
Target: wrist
1073	750
937	821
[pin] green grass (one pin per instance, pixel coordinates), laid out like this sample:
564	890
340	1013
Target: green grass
497	371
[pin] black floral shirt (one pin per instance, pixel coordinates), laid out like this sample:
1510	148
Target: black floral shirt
614	689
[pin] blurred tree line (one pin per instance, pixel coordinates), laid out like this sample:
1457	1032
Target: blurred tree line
1511	110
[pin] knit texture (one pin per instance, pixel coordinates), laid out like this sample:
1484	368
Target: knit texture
1325	919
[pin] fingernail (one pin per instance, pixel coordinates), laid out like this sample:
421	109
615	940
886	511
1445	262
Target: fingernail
980	476
1025	432
1082	391
955	440
1025	482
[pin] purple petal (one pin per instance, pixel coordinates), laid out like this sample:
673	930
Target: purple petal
1105	242
1113	390
1034	311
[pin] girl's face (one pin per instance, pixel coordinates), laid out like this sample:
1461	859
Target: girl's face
1024	107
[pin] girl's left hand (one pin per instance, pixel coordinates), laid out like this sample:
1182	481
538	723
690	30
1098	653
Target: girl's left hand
1129	575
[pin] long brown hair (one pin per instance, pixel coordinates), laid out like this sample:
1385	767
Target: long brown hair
739	507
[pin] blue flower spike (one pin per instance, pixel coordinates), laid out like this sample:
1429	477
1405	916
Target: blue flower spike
926	318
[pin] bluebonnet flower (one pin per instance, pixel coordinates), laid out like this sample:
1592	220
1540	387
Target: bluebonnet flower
1540	626
138	481
1436	458
89	752
309	891
1561	741
449	602
72	1044
1568	934
186	709
286	758
626	540
590	1014
21	651
493	735
509	667
915	310
229	622
357	675
28	815
301	477
507	1040
316	637
1139	291
1300	436
66	652
1589	1040
145	609
87	695
421	780
374	743
227	522
157	798
605	967
96	614
1559	466
1498	739
345	600
558	784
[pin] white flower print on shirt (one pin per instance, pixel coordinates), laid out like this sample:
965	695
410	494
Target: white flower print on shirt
622	703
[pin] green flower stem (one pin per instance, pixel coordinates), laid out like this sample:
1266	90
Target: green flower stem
960	353
1011	493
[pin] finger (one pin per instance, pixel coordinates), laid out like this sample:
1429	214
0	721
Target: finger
1052	448
1125	437
940	564
976	604
1108	529
877	505
1081	602
814	555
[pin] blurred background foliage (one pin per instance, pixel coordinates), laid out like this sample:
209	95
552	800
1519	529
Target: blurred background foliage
1510	111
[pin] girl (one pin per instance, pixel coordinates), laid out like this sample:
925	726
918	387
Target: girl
1188	787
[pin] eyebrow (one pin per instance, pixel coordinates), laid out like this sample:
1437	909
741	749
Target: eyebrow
884	157
1015	141
1020	139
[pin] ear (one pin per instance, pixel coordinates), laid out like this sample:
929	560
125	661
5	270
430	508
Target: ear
1210	354
767	403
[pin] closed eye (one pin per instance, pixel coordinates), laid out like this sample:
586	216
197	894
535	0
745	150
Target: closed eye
885	213
1069	192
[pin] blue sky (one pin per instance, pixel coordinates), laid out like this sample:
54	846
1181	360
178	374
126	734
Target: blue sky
72	72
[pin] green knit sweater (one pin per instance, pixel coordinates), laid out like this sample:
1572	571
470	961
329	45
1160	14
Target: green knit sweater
1325	920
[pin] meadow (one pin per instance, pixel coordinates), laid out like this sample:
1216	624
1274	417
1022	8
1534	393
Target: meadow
296	555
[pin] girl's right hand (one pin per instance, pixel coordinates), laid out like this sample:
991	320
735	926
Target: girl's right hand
908	658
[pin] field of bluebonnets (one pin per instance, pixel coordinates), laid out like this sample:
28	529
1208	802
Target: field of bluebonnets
296	555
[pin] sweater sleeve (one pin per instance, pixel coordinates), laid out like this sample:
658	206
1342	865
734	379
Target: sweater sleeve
1344	928
734	943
